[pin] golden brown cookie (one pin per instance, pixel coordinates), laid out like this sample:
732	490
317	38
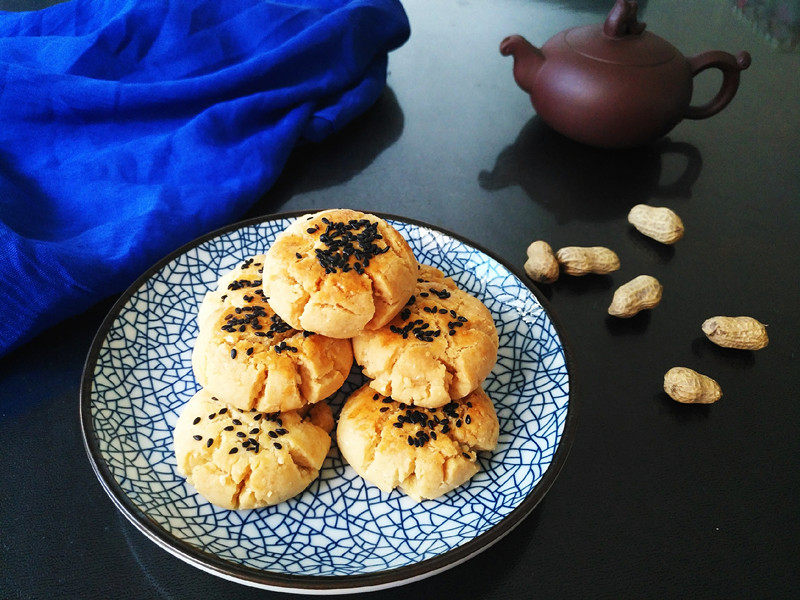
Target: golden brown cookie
242	459
339	272
247	356
425	452
441	346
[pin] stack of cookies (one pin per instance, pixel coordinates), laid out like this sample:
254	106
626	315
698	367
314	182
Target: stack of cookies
278	336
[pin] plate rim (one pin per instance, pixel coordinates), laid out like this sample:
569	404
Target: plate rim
316	584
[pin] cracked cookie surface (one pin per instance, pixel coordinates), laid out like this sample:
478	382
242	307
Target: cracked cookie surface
242	459
247	356
339	272
440	346
424	452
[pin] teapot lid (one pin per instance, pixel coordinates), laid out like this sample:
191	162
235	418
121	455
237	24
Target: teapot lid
621	40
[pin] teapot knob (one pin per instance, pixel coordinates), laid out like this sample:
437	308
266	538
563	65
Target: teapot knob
622	21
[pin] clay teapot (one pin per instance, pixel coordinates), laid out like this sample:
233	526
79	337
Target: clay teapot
615	85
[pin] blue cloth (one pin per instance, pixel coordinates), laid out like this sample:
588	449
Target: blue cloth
130	128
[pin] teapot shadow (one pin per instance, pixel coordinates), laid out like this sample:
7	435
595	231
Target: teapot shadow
578	182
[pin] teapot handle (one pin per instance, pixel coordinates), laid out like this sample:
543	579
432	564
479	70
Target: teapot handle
730	66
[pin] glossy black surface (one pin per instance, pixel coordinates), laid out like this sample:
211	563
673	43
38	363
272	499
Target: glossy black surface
656	499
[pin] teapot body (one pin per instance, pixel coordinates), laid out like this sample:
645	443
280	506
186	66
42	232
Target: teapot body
615	85
607	104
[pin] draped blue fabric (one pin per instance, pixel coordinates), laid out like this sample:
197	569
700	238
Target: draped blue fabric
129	128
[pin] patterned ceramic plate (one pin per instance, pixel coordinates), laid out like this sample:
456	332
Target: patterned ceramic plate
341	534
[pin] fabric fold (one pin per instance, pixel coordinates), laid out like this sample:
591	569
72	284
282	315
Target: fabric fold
129	129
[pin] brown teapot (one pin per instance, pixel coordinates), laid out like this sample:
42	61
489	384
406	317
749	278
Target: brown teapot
616	85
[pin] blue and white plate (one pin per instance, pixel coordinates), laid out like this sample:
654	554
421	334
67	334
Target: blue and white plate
341	534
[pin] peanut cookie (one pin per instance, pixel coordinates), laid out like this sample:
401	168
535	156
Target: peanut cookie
425	452
247	356
339	272
245	459
440	346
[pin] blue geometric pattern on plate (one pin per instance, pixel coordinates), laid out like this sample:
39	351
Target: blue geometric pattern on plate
340	525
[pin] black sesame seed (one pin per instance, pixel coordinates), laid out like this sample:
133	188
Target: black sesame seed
254	430
237	421
233	353
458	423
272	434
277	445
424	294
209	442
228	428
467	419
212	415
452	332
198	437
196	421
376	396
249	351
298	255
222	411
387	400
233	450
410	441
465	455
433	435
398	424
241	434
257	417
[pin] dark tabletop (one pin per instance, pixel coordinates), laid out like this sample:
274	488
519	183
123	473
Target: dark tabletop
656	499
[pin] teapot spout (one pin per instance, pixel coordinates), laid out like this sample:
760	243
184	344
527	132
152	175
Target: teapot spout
528	59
